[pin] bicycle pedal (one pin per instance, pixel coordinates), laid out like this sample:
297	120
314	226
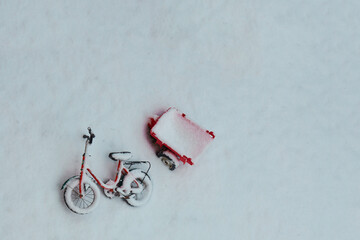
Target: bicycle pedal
128	196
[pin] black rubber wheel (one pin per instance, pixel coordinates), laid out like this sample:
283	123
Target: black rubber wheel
172	167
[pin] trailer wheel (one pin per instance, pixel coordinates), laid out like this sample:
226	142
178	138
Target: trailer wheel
165	157
168	162
172	167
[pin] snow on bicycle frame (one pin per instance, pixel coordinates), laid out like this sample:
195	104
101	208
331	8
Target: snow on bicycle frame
183	138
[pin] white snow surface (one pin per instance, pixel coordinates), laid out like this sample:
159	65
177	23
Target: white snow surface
181	134
277	82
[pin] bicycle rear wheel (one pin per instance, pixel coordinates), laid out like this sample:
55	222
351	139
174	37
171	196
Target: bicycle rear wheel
139	199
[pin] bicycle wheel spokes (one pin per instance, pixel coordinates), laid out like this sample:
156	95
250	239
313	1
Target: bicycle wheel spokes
86	200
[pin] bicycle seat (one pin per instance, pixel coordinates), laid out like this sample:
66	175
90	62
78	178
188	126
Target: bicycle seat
122	156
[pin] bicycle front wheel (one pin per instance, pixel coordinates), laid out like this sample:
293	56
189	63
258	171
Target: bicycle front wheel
84	204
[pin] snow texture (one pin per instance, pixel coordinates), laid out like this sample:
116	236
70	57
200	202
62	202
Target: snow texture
181	134
277	82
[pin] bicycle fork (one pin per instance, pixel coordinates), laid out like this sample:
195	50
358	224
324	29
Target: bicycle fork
81	176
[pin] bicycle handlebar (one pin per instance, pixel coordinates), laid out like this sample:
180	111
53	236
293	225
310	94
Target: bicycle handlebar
90	137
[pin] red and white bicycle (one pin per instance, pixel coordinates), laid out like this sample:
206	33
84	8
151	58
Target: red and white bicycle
132	184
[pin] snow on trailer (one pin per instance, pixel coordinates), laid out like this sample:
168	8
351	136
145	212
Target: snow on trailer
181	139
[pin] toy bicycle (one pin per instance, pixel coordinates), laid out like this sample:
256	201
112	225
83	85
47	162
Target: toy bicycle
132	184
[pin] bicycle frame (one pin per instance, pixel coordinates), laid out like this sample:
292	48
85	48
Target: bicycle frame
121	170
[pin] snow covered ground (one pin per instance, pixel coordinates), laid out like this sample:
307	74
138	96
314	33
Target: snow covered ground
277	81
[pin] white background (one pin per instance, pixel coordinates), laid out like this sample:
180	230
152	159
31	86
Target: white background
277	81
